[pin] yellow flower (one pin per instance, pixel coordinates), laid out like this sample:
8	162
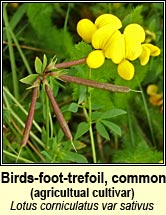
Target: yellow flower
99	35
155	98
102	36
147	51
134	36
110	43
115	48
86	29
135	32
95	59
152	89
124	47
105	19
126	70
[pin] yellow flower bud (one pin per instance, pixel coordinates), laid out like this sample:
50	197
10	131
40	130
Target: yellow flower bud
95	59
147	51
152	89
86	29
105	19
154	50
145	55
126	70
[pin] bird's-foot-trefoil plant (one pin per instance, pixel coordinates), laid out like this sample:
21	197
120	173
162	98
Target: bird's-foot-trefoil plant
108	43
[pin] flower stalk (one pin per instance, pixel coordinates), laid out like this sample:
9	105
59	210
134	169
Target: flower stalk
66	64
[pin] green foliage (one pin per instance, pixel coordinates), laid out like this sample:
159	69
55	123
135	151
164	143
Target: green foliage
40	18
29	79
82	128
139	154
61	153
123	127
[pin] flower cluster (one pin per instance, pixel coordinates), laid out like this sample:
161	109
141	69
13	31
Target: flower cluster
155	98
108	42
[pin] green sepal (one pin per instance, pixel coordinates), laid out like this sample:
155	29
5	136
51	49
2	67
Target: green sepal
29	79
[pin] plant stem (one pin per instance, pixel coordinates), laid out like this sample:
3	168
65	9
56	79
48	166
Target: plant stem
47	121
31	48
67	64
90	122
148	117
66	18
16	156
51	125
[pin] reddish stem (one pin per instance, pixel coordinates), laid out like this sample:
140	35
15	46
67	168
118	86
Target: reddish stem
30	116
68	64
62	122
91	83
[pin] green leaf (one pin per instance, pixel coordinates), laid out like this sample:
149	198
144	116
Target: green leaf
112	113
96	106
29	79
102	130
96	115
47	156
82	128
60	135
38	65
82	95
73	107
74	157
112	126
44	62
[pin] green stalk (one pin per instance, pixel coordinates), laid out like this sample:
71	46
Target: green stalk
16	157
11	54
21	52
90	122
47	121
148	117
9	32
51	126
66	18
